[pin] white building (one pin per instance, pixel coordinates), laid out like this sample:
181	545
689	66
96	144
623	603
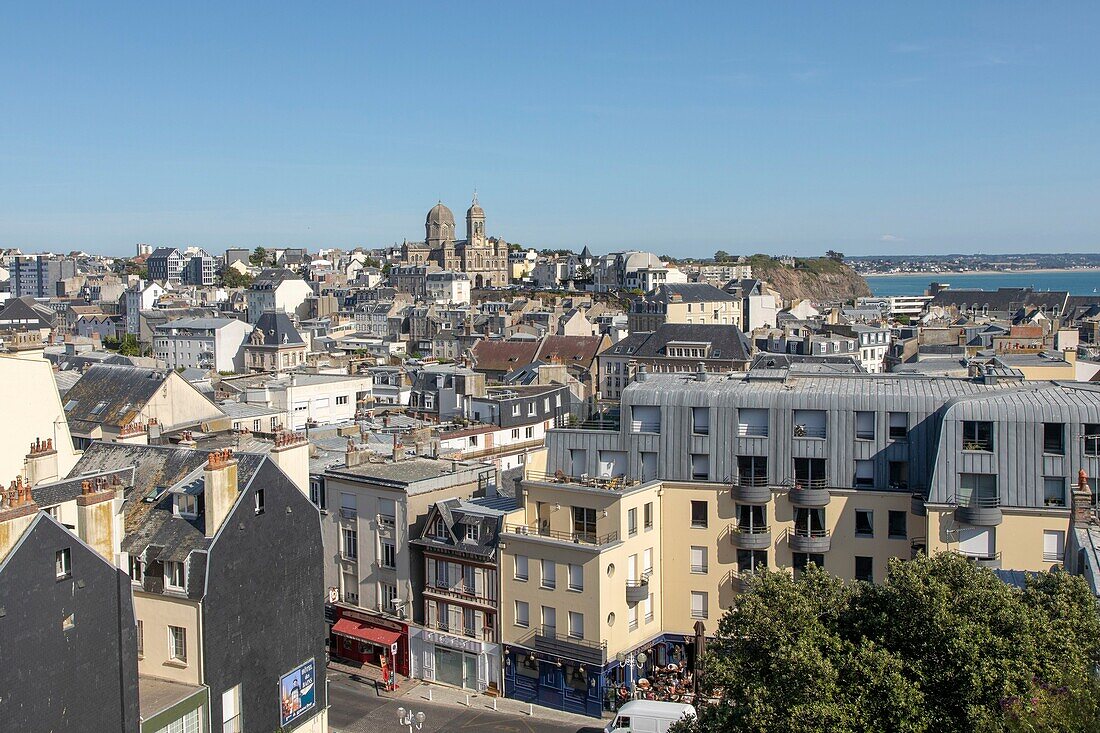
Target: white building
203	343
318	399
278	289
447	287
140	296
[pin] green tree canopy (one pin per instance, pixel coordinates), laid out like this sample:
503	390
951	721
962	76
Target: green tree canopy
258	257
942	645
232	278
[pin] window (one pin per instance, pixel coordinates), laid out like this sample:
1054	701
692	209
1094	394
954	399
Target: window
809	424
350	538
899	474
140	638
899	425
865	523
187	505
897	525
136	568
68	622
1054	545
865	569
348	506
549	574
317	495
647	515
632	616
63	564
698	604
515	410
978	490
698	514
549	620
631	522
528	433
576	577
698	559
177	644
865	426
576	625
173	575
440	529
472	531
259	501
1054	442
865	473
387	597
977	435
1054	491
341	399
584	523
700	466
700	420
515	434
521	567
648	604
810	473
801	560
1092	439
388	558
231	710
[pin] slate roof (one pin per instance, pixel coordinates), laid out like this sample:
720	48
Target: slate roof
728	343
688	293
455	514
1001	300
111	395
272	277
27	308
571	350
503	356
278	330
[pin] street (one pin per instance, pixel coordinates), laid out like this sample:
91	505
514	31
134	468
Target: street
357	708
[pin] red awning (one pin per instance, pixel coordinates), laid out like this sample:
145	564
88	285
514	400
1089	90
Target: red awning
365	632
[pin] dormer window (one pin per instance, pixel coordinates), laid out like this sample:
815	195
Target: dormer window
187	505
173	575
440	529
472	531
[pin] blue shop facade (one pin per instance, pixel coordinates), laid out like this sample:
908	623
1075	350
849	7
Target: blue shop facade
578	677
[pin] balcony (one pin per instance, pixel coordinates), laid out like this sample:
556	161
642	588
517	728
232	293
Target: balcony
751	489
917	546
751	537
573	538
585	418
483	634
979	511
917	505
983	445
809	540
611	483
809	431
642	426
460	592
546	640
811	493
752	431
637	590
985	559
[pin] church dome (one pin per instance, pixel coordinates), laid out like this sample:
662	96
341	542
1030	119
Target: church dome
475	210
440	214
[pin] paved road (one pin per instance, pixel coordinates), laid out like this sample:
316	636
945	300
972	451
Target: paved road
357	708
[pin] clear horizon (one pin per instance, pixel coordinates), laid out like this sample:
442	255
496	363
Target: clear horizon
782	129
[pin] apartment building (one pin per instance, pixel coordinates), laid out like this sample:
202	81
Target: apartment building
458	643
280	290
698	303
664	503
873	343
215	344
37	276
274	345
372	507
191	266
308	399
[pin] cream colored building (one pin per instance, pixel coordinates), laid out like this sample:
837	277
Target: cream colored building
689	303
645	522
30	382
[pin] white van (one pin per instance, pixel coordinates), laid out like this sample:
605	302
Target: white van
648	716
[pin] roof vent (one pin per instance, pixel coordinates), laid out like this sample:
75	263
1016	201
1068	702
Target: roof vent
701	375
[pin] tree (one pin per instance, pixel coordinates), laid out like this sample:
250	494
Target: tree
834	255
722	256
126	346
258	257
941	645
233	278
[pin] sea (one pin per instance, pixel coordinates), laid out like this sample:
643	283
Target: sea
1077	282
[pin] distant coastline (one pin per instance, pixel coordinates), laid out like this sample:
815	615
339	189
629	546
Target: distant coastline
949	273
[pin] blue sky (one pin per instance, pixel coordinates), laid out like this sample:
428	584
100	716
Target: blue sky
676	127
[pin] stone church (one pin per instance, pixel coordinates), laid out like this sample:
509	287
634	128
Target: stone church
484	260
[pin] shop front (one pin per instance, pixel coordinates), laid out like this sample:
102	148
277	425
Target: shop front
661	669
454	660
363	638
573	682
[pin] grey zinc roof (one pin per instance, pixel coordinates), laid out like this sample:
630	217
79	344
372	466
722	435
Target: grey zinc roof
111	395
691	292
205	323
275	326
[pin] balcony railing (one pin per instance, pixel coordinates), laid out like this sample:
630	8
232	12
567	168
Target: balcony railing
752	431
753	480
811	483
586	418
483	634
597	482
984	445
460	592
346	513
643	426
987	559
547	640
809	431
576	538
865	435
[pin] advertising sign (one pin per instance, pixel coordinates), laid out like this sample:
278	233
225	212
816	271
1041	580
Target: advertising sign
297	692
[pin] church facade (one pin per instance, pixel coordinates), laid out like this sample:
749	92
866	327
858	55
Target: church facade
483	259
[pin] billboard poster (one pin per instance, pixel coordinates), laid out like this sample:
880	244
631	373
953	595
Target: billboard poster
297	692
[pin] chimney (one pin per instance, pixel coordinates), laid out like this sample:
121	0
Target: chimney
187	440
135	433
99	515
641	374
17	511
353	456
40	464
291	454
220	492
701	375
1081	501
398	449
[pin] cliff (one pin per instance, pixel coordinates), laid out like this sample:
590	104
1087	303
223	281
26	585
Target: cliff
815	278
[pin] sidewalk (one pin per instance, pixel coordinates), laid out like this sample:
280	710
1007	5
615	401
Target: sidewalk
372	677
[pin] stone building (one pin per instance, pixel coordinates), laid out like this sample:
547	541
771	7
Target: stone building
483	259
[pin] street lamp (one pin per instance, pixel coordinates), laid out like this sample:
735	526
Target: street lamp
630	661
415	721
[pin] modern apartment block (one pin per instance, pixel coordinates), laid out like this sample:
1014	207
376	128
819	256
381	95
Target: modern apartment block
202	343
37	276
191	266
663	504
372	507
